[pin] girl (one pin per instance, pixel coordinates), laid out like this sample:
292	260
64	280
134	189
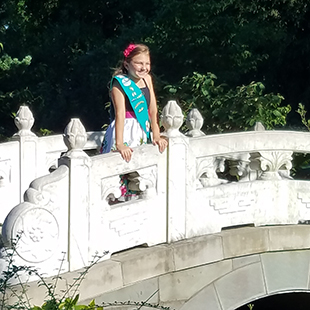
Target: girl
134	109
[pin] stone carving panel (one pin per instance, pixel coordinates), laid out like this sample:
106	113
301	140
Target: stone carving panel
274	165
304	198
142	181
232	203
206	171
131	222
37	218
40	234
239	166
110	189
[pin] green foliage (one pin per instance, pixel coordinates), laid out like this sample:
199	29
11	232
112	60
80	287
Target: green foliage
9	66
67	304
228	37
302	112
226	109
74	44
12	92
301	162
45	132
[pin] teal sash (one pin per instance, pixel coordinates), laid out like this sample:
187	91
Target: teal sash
137	101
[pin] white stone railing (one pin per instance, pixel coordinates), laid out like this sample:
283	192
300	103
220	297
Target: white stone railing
182	192
28	157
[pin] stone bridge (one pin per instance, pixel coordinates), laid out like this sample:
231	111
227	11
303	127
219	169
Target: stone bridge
218	221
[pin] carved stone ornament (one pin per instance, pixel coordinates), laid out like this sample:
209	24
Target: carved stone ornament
24	121
194	122
143	182
34	219
274	165
259	127
110	190
40	234
172	119
206	171
239	166
75	136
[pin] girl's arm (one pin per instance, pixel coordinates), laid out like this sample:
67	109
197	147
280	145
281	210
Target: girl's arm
157	139
118	99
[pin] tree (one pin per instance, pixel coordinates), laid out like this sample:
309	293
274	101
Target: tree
227	109
12	92
74	44
238	40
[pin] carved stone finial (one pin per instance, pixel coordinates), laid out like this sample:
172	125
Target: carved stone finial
194	122
172	119
24	121
259	126
75	136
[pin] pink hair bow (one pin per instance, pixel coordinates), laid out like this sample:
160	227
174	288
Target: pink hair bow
129	49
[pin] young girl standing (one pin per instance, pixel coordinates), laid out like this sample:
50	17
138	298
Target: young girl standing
134	112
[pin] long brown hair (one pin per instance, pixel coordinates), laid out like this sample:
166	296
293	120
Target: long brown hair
138	49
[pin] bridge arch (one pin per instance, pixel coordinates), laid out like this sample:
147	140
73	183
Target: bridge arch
261	276
222	271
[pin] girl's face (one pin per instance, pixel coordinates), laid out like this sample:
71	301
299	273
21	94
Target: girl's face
139	66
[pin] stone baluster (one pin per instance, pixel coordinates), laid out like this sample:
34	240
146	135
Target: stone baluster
77	160
172	120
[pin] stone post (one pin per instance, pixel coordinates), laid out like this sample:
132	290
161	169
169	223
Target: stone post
28	149
77	160
172	120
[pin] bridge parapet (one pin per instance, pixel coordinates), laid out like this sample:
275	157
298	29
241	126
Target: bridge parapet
263	192
181	193
28	157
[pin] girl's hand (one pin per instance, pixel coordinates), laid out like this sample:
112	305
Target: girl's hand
161	142
125	151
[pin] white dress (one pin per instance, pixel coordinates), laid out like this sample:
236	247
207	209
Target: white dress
133	135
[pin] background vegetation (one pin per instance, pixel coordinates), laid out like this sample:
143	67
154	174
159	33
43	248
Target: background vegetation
238	61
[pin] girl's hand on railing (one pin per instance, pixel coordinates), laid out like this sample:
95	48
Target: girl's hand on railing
126	152
161	142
